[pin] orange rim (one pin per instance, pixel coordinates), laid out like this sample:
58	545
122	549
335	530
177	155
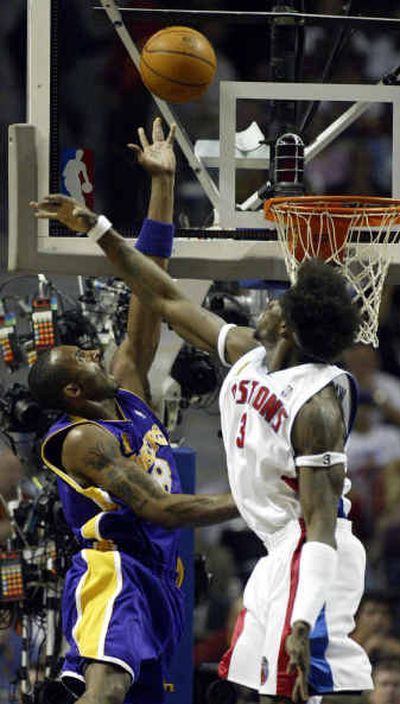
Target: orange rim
308	204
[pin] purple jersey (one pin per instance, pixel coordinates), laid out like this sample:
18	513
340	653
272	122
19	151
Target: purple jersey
102	521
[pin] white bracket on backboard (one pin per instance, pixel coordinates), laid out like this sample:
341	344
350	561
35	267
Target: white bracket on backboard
233	91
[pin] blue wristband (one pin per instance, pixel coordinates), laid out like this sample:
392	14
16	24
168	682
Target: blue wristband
155	238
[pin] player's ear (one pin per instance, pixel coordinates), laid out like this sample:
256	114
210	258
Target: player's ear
72	391
285	331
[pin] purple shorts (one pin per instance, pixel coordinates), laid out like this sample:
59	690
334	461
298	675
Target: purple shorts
117	611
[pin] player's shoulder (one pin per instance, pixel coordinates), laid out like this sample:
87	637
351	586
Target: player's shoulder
80	435
321	404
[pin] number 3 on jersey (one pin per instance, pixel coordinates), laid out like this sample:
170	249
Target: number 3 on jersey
242	431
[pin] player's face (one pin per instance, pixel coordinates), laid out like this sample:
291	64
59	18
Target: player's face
86	370
269	325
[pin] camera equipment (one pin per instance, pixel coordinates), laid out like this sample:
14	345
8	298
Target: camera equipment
19	412
196	373
31	571
106	306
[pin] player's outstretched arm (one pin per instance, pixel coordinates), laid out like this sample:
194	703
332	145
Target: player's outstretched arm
133	359
318	441
153	286
93	455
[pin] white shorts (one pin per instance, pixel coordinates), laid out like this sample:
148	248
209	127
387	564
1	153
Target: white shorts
257	657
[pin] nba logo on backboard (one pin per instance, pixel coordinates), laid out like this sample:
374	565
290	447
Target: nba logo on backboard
77	175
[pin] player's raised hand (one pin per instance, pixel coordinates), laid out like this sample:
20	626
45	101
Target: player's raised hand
156	157
298	650
65	210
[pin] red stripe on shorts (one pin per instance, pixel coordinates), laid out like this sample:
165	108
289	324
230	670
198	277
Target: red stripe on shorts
292	482
285	682
223	667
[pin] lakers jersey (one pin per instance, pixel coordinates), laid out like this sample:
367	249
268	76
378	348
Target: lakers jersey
258	409
102	521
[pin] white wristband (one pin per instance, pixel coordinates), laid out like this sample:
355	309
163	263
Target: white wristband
221	342
100	228
318	563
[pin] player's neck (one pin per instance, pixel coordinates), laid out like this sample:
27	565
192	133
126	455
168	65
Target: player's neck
282	355
107	409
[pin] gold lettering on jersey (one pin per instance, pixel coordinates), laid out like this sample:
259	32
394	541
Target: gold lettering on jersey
159	468
258	396
126	446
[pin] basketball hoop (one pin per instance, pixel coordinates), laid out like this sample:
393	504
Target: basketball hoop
355	233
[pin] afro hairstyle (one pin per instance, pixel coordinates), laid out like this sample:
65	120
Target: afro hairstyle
320	312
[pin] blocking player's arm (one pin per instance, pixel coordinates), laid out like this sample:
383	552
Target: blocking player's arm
133	359
317	433
93	457
153	286
195	324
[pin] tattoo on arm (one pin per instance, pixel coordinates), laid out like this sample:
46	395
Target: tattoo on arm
99	455
134	486
98	458
120	476
201	510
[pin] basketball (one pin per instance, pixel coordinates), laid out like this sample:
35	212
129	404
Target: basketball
177	64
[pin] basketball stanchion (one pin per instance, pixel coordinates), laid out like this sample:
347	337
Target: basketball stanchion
355	233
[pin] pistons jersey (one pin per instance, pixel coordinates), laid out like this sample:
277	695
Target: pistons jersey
102	521
258	409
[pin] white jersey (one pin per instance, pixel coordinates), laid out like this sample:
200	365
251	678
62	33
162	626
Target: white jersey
258	409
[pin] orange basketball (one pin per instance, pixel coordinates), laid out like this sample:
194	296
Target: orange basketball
177	64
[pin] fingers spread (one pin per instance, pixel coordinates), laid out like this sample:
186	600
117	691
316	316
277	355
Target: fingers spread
171	134
158	132
45	214
56	199
142	138
135	149
300	687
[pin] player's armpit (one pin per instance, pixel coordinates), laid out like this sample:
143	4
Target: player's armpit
239	340
129	371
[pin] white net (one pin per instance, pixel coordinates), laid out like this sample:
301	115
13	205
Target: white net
357	235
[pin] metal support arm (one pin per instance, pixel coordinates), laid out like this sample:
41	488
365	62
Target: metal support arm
182	138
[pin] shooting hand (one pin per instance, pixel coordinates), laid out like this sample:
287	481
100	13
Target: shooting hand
157	158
